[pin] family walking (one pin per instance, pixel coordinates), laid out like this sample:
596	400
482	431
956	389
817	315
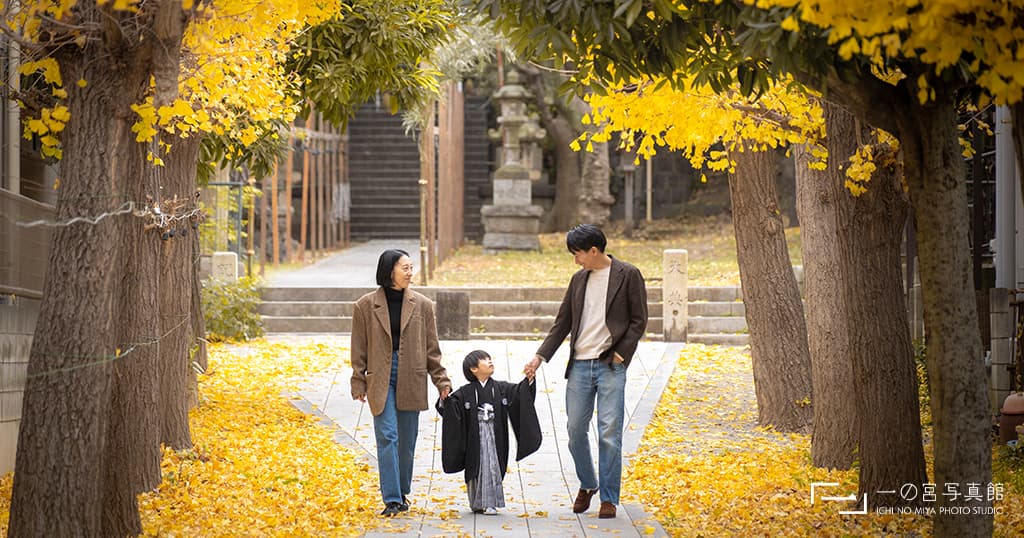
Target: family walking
395	347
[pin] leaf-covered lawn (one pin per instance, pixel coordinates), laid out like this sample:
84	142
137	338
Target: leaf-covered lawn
707	470
709	241
260	467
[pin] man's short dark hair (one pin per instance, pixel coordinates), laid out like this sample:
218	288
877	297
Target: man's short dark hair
581	237
471	361
386	265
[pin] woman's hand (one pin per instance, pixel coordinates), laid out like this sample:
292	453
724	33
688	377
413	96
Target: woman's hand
445	392
361	398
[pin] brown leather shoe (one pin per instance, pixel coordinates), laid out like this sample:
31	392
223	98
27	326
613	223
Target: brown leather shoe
607	510
582	502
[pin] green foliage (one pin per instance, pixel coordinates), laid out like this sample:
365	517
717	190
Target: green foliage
230	309
219	231
613	42
221	151
469	48
1008	466
213	231
375	46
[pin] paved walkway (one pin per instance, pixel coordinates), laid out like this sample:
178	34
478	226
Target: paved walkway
355	266
538	490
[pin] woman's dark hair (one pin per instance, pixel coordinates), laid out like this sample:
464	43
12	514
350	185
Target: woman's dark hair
386	265
471	361
580	238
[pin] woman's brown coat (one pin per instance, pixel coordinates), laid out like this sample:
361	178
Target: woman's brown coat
418	352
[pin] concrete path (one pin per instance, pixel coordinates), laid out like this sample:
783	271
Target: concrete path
355	266
538	490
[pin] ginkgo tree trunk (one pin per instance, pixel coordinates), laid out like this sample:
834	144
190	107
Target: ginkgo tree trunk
771	298
89	440
898	66
867	409
834	435
111	359
935	176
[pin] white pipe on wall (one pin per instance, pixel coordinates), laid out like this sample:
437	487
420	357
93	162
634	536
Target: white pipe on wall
1007	199
650	183
13	134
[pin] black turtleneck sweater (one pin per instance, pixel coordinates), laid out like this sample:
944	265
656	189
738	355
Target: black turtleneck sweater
395	313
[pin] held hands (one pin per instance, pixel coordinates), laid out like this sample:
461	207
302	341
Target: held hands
530	370
445	392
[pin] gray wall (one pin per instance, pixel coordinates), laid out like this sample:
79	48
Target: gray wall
17	323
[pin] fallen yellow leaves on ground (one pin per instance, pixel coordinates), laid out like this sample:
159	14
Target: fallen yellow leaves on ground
706	469
709	240
261	467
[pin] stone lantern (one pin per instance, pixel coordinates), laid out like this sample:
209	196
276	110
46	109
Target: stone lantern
512	221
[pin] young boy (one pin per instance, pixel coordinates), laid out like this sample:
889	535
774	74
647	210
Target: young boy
474	431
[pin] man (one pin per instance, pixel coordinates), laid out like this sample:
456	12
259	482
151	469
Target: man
605	312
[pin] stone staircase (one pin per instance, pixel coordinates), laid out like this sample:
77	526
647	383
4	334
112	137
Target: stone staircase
716	314
384	172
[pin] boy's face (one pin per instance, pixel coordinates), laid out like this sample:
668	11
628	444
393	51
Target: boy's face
484	369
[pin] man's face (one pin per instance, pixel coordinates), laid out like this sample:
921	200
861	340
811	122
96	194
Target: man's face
588	259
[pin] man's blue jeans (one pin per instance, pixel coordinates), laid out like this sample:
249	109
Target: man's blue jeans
396	433
589	380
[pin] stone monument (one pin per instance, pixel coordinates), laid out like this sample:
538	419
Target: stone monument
224	266
512	221
674	294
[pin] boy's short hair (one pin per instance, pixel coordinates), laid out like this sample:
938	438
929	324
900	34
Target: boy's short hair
471	361
386	265
580	238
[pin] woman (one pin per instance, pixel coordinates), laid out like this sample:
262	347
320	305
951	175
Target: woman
394	346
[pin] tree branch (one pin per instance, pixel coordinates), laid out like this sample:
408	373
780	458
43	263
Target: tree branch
868	98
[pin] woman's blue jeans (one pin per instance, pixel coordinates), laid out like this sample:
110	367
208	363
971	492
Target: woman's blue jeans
396	433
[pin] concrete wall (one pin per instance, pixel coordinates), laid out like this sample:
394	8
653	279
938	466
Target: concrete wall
17	323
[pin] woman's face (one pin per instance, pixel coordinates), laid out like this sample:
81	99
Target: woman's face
401	275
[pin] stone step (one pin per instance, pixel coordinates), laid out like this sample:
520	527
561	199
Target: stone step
285	320
484	309
718	294
283	293
513	308
306	308
319	324
550	308
528	324
376	211
494	311
538	337
712	309
490	294
531	308
716	325
719	339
